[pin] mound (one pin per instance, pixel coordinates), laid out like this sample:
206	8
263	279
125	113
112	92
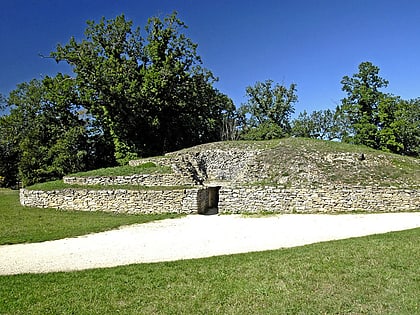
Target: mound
295	162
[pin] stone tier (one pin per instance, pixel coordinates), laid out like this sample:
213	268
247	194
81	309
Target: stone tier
228	200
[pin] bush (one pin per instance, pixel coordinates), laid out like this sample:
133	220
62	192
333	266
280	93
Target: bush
265	131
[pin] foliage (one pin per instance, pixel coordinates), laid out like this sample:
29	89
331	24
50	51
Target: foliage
363	95
323	124
231	122
132	95
24	224
352	276
268	109
362	103
399	130
378	120
3	103
408	126
150	91
9	151
44	132
265	131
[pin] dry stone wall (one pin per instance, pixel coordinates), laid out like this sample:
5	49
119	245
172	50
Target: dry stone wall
119	200
137	179
231	169
337	199
231	165
231	200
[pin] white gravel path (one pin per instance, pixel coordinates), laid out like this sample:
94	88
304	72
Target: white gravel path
194	236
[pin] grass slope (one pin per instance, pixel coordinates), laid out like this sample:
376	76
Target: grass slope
299	162
309	162
23	224
370	275
296	162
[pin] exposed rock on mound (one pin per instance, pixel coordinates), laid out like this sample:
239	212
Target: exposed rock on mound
283	176
292	163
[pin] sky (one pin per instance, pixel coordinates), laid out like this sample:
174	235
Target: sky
312	43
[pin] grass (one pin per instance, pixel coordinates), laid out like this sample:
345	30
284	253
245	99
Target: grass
145	168
310	162
306	163
377	274
23	224
298	162
370	275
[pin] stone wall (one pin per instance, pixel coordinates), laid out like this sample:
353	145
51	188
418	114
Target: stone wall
231	200
338	199
120	200
223	165
208	165
137	179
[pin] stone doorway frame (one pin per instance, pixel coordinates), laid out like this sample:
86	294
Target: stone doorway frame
211	203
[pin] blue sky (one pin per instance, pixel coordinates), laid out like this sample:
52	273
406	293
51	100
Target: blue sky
312	43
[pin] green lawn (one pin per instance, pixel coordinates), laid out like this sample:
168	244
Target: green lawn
22	224
369	275
378	274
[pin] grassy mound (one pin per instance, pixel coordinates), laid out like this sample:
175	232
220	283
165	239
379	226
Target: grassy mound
304	162
297	162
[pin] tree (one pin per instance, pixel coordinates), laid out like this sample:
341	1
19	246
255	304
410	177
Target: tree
268	108
2	104
407	123
399	125
323	124
9	151
379	120
47	137
231	122
149	92
360	106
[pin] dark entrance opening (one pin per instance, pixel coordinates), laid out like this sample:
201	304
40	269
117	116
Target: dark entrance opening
212	200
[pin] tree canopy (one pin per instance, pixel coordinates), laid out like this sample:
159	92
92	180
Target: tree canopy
139	92
133	93
43	137
377	119
148	90
322	124
267	111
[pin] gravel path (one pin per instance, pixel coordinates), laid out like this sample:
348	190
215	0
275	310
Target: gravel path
194	236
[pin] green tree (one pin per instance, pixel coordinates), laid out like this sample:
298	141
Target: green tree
376	119
361	105
407	123
47	137
322	124
9	151
269	109
2	104
149	92
231	121
106	65
399	125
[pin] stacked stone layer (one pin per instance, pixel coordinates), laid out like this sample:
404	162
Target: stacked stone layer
225	179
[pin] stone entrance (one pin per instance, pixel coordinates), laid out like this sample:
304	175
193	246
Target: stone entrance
209	200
